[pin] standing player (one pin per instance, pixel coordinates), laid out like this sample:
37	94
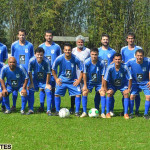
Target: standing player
117	77
82	53
52	51
128	52
106	53
93	74
67	78
40	66
16	79
22	50
140	69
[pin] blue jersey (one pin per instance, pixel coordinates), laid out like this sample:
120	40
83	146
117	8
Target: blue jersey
3	52
106	55
16	78
67	68
140	72
117	78
128	54
40	70
22	53
94	72
1	66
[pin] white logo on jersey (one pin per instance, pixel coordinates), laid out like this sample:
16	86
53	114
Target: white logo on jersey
52	51
0	51
144	68
42	68
121	75
72	65
26	50
17	75
109	55
78	88
97	69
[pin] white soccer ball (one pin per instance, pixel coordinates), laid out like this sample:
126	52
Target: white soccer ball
64	112
93	112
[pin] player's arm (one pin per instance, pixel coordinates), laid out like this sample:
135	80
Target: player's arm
148	84
129	86
48	86
24	91
58	80
4	91
77	81
84	82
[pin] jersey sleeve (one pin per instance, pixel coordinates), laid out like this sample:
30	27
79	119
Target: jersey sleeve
122	54
12	50
107	74
103	66
5	54
32	51
56	63
2	75
48	68
128	73
24	72
30	65
79	64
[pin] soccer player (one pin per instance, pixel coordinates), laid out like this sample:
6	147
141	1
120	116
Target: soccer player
128	52
16	79
52	51
82	53
106	53
22	50
67	78
3	52
93	74
117	77
40	66
140	69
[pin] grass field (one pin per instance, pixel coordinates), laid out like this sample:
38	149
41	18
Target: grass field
42	132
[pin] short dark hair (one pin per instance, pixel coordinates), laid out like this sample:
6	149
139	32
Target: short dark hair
139	51
104	34
39	50
22	30
68	44
49	31
130	34
117	55
94	49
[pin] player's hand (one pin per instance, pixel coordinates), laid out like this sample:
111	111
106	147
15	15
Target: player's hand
76	82
126	92
5	93
58	81
84	88
148	84
110	92
48	86
31	86
23	92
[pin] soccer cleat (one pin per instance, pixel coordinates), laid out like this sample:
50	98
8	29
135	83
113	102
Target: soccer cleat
3	108
131	116
83	115
71	110
126	116
108	115
22	112
56	113
146	116
13	108
7	111
40	110
30	112
77	114
49	113
53	109
103	115
112	114
137	114
121	114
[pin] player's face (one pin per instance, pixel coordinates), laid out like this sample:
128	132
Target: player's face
130	40
139	57
67	51
39	57
48	37
117	60
12	63
105	41
21	36
94	56
80	44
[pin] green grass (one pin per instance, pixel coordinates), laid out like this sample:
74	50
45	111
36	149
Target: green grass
40	132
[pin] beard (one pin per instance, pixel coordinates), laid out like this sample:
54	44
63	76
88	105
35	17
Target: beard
80	47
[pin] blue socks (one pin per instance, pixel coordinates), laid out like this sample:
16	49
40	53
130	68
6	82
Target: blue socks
137	102
49	99
147	105
112	104
14	97
84	103
126	105
97	100
6	101
131	106
31	99
77	103
108	101
23	102
42	98
57	103
103	104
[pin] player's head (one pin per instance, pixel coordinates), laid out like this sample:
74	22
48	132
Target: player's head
130	38
139	54
39	54
94	54
12	63
67	50
80	41
48	35
21	35
117	58
105	39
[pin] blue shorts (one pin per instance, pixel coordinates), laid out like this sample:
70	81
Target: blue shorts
115	88
91	86
136	88
73	90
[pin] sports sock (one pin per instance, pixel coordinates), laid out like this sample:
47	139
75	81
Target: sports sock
147	105
53	99
23	102
57	103
84	103
14	97
42	98
97	100
31	100
126	105
137	102
49	99
6	101
108	102
112	104
103	104
131	106
72	101
77	103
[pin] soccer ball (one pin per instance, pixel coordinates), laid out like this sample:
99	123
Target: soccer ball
93	112
64	112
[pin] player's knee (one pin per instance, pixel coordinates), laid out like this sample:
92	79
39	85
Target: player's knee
85	93
132	97
102	93
78	95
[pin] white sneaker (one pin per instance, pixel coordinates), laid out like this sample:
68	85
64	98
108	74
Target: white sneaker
112	114
103	115
83	115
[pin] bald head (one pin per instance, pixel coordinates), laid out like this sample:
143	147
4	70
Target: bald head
11	58
12	63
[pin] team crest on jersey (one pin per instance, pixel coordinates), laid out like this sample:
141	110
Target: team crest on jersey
109	55
26	50
72	65
17	75
52	51
144	69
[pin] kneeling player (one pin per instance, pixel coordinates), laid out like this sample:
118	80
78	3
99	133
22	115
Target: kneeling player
116	78
67	78
40	65
92	76
16	79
